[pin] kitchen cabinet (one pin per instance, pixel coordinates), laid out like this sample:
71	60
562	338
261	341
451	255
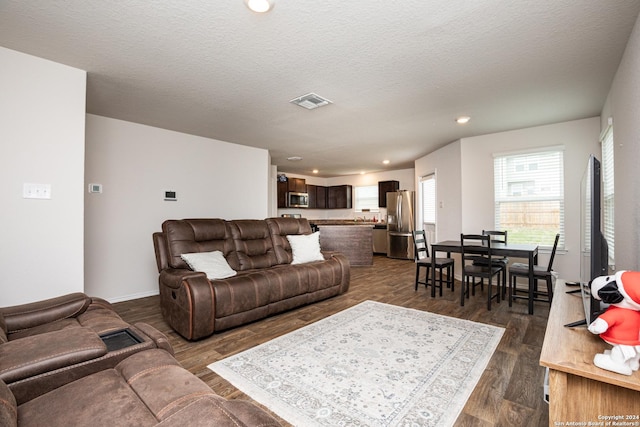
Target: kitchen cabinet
282	194
317	196
321	197
339	197
294	185
385	187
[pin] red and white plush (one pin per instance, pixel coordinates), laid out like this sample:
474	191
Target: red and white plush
619	325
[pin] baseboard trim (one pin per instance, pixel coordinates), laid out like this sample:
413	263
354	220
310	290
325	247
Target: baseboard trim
132	296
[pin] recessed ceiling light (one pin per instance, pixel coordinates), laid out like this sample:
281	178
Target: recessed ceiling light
462	120
259	6
315	171
294	158
362	172
385	162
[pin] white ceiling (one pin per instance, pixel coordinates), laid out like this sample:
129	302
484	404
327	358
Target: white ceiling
398	72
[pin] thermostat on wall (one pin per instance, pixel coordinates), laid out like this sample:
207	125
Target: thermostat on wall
95	188
170	196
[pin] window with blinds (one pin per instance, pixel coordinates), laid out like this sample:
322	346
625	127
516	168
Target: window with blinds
608	192
428	188
366	198
529	196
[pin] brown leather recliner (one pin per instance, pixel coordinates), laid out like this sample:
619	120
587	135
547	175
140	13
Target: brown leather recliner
46	344
148	388
266	282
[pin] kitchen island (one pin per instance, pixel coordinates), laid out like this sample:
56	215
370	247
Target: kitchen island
352	238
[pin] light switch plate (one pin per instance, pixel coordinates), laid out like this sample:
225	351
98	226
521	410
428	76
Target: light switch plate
36	191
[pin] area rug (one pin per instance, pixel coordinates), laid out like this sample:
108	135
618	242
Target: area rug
373	364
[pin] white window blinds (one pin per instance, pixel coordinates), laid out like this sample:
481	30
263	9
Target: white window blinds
608	192
529	196
428	184
366	198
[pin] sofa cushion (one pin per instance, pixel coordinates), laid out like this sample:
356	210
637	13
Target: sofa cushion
198	235
305	248
46	328
212	264
253	244
101	399
280	228
149	372
148	388
31	315
35	355
98	318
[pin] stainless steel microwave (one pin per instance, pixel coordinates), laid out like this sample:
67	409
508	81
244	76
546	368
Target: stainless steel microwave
297	200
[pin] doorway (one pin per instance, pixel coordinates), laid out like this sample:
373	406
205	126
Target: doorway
428	206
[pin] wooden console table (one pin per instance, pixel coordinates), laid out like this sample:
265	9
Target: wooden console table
580	392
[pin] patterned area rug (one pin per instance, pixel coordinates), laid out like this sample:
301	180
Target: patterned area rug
373	364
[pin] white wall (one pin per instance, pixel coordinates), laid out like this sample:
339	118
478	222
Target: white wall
474	185
623	105
446	164
42	105
136	164
405	177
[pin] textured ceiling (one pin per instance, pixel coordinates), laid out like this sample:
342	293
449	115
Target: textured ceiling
398	72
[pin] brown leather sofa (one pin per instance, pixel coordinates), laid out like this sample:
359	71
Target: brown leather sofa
148	388
266	282
46	344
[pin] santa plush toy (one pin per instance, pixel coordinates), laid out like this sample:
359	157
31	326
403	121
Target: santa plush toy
619	325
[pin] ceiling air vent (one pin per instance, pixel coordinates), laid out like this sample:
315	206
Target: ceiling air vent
310	101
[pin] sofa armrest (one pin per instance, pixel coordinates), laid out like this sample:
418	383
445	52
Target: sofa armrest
328	254
31	356
346	268
188	303
38	313
156	336
173	277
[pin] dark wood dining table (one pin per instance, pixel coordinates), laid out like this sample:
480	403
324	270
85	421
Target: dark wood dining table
516	250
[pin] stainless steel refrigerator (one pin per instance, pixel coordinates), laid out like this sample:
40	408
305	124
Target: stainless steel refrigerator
400	223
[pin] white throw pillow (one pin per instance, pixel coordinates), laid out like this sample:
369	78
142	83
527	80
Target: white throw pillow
212	264
305	248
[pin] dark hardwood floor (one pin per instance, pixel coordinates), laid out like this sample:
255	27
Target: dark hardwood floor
508	394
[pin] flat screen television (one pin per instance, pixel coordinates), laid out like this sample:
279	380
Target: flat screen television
594	253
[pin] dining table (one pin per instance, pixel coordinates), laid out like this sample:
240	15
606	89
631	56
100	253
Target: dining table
515	250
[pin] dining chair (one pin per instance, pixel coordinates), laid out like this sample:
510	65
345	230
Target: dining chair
539	273
498	236
423	260
477	263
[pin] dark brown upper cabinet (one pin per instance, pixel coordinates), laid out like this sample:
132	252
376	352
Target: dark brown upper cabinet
385	187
